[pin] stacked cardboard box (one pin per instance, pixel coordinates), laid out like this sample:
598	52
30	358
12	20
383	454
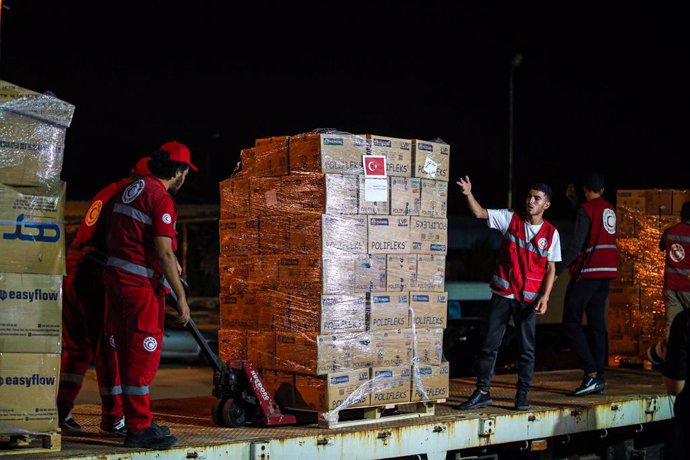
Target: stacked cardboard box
636	315
337	297
32	134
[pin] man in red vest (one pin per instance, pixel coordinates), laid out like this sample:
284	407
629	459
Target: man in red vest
591	256
521	285
675	242
83	306
141	263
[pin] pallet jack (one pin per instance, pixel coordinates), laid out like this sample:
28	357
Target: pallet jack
241	394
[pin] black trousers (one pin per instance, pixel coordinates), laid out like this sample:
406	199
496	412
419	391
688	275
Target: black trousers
525	319
587	296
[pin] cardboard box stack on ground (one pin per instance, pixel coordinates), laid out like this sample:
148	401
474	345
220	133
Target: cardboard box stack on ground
331	292
32	257
636	315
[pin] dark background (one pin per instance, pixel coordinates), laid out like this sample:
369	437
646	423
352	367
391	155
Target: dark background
601	86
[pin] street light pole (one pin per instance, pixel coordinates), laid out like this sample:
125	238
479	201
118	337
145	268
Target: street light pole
515	63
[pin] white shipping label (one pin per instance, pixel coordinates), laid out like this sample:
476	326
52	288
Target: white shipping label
376	189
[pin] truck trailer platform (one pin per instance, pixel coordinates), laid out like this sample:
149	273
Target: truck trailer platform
634	401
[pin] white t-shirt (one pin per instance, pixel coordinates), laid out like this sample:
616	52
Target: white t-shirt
500	220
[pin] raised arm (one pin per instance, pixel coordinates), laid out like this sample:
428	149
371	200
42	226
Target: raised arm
475	207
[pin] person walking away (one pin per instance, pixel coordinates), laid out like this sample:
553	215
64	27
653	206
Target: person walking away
676	372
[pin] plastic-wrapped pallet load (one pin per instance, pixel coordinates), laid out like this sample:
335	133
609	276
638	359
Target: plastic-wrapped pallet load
317	278
32	260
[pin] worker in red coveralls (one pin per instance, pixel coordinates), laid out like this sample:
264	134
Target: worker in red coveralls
83	306
141	257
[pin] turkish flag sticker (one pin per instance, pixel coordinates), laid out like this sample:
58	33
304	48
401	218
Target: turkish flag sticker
374	166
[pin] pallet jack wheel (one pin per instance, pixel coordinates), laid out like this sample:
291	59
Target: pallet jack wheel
233	415
217	412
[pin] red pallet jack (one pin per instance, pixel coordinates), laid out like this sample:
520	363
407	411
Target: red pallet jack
241	394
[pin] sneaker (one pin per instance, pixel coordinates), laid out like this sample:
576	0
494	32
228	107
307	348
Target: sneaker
68	424
162	429
476	400
590	385
149	438
119	430
521	400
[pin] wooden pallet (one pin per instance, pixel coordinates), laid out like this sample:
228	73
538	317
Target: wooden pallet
22	444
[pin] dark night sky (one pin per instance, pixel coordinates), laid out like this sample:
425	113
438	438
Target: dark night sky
599	85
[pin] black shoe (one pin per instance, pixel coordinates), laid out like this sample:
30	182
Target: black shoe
150	438
654	357
521	400
119	430
476	401
162	429
590	385
69	425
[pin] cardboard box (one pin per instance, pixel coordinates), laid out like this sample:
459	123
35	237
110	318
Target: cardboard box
626	345
372	207
28	389
266	160
343	352
434	199
431	160
332	391
297	352
405	196
32	230
304	233
250	310
679	198
263	273
435	382
278	195
273	234
392	347
428	235
401	272
298	272
632	200
344	234
431	273
624	296
370	273
328	153
261	349
429	345
305	153
239	236
398	153
343	313
389	310
232	344
30	313
659	202
430	308
234	197
389	235
342	193
393	385
234	273
339	274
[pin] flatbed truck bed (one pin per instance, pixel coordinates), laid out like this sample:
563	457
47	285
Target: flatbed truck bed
633	399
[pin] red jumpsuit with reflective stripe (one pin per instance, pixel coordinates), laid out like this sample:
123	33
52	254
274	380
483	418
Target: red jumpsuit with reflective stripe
135	297
83	308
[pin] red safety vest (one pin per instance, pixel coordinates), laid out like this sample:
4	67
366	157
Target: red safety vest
598	259
521	263
677	243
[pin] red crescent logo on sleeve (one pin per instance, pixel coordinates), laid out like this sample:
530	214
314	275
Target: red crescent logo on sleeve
92	214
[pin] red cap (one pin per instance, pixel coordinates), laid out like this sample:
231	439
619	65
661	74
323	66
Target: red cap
178	152
142	167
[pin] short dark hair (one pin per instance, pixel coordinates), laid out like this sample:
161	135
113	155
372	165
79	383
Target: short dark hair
594	181
685	211
542	187
161	165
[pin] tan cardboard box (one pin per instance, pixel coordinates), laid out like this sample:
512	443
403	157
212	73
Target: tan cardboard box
372	207
429	236
299	272
389	310
339	274
234	197
370	273
266	160
263	273
431	273
624	296
239	236
342	153
632	200
343	352
431	160
32	230
435	381
405	196
234	273
659	202
273	234
393	385
679	197
401	272
261	349
430	308
297	352
394	347
305	233
429	345
342	194
30	313
232	344
389	235
398	153
28	389
434	199
343	313
344	234
332	391
278	195
240	311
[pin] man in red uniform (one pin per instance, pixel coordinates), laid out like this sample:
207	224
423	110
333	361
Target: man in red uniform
83	306
591	256
521	286
141	257
675	242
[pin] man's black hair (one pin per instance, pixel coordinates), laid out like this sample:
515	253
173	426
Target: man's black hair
685	211
544	188
594	181
161	165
